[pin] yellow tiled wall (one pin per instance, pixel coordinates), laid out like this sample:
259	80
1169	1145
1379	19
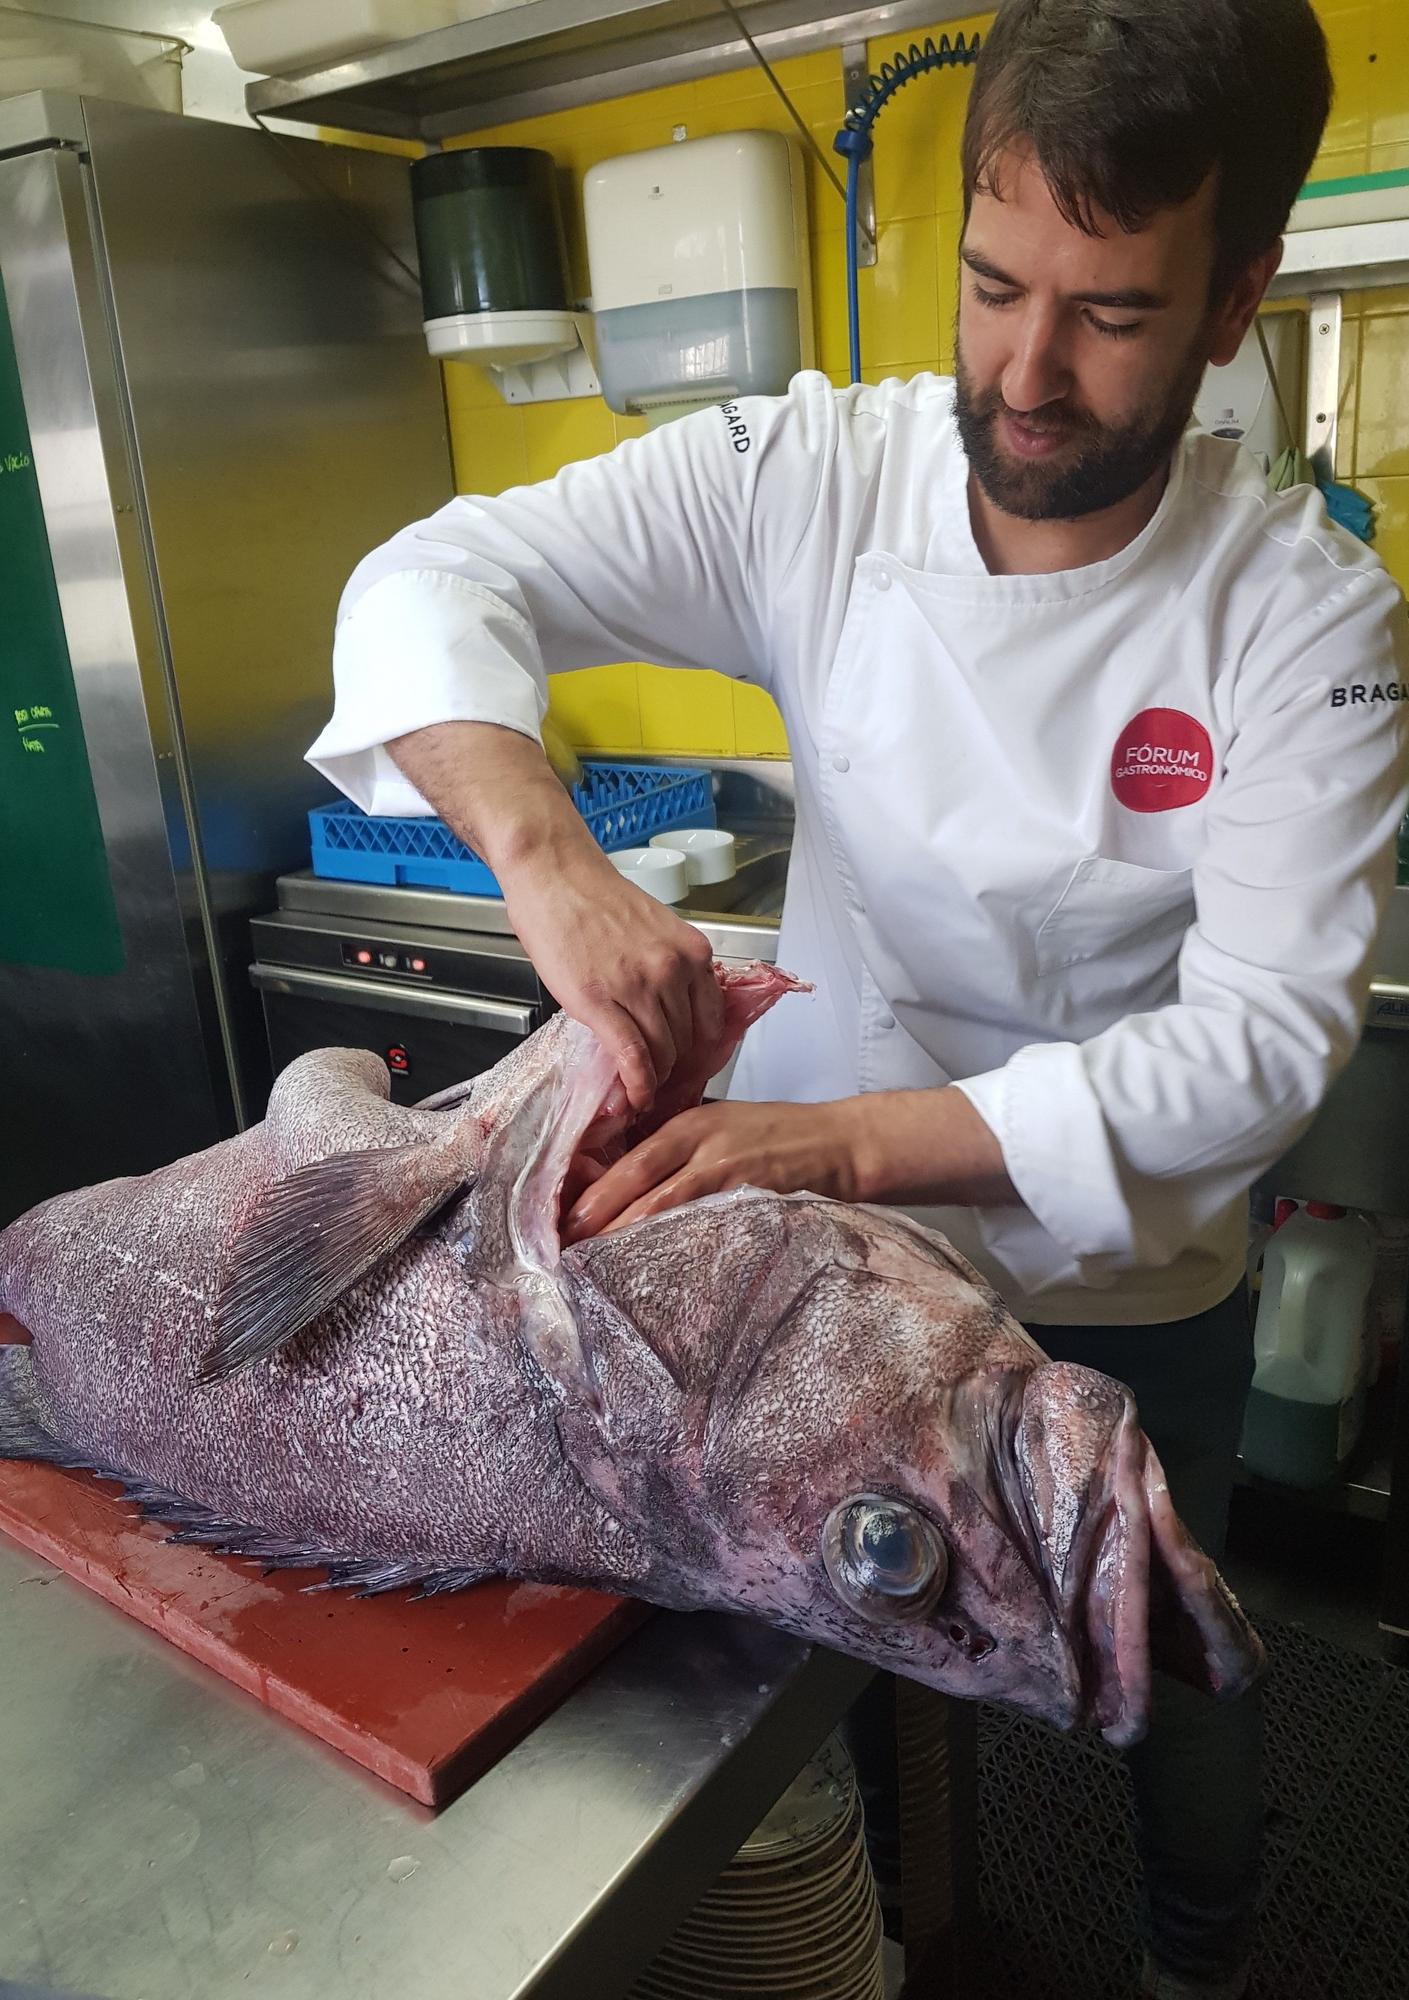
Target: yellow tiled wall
907	314
1369	133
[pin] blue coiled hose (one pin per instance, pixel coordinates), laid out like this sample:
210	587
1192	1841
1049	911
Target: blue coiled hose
853	142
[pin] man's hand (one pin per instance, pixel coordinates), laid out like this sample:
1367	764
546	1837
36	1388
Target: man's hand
924	1146
613	957
784	1147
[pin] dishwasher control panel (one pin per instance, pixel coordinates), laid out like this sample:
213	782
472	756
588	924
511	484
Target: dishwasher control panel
370	955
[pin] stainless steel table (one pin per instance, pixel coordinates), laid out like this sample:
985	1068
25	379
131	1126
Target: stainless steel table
162	1837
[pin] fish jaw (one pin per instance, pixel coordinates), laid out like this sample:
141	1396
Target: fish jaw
1198	1631
1131	1591
1072	1581
1116	1589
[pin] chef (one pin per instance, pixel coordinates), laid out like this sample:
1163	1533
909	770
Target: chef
1097	753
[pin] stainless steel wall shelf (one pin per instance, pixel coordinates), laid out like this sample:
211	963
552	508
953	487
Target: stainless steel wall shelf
1349	257
550	55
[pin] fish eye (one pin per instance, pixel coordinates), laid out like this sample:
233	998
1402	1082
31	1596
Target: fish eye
884	1558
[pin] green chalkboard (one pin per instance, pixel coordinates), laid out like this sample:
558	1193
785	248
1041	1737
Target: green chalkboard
56	898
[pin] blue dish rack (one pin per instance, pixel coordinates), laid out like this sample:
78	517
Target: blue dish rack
622	804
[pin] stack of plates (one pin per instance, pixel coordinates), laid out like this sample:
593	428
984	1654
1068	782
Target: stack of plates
922	1725
794	1916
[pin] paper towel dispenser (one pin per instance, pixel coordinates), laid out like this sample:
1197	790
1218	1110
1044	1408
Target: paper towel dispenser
493	261
701	285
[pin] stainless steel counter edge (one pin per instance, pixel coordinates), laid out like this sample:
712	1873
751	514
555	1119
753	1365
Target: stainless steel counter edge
766	786
730	937
166	1837
745	937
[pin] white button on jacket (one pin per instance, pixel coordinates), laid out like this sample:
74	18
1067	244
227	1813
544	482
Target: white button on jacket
1107	847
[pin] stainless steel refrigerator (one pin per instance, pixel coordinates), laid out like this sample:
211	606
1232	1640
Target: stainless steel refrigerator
214	398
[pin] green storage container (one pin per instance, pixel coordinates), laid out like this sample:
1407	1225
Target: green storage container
489	232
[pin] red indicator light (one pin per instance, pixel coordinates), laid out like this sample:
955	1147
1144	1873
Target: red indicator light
397	1059
364	958
418	965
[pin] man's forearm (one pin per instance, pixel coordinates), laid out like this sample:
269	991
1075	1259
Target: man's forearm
926	1146
496	789
628	967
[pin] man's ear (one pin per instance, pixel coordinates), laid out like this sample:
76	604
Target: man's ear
1235	312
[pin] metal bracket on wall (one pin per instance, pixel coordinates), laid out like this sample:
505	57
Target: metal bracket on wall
559	376
1323	372
856	81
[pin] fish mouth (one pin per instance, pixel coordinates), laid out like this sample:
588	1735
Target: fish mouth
1154	1602
1112	1643
1079	1535
1130	1593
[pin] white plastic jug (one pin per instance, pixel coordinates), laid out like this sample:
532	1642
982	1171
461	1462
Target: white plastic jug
1308	1395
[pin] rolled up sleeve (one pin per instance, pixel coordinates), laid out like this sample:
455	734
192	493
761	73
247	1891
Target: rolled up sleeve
424	621
663	550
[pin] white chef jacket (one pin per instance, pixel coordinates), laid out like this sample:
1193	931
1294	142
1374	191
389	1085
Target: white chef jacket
1106	847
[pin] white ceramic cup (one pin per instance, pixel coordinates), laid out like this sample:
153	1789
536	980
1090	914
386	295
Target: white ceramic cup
660	871
708	851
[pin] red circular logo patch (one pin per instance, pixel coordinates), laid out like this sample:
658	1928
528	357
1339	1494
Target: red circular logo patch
1162	759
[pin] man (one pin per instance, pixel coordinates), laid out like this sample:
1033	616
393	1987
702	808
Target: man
1093	827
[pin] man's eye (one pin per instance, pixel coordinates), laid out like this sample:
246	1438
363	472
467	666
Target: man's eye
1113	329
986	298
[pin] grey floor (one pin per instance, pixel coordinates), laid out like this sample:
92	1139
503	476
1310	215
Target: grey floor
1059	1886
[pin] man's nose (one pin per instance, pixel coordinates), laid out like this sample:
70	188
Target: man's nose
1038	371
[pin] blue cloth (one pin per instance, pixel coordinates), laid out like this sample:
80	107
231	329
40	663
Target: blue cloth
1349	509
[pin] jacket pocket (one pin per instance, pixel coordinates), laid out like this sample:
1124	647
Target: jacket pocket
1116	910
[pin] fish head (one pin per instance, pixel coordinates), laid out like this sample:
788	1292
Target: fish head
820	1415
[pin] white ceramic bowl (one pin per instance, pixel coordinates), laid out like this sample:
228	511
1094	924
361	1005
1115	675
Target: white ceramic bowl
660	871
708	851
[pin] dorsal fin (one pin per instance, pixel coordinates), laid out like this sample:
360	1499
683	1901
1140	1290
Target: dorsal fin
312	1235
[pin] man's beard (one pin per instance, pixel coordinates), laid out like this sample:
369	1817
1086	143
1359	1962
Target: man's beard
1110	462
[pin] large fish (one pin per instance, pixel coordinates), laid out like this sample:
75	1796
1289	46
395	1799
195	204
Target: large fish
349	1339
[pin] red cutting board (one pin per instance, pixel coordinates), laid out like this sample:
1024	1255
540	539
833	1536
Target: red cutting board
426	1694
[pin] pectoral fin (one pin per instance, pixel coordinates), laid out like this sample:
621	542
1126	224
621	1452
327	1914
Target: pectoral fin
311	1237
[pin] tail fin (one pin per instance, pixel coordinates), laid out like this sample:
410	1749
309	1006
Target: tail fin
22	1433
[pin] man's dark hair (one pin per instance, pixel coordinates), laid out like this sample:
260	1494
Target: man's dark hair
1129	106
